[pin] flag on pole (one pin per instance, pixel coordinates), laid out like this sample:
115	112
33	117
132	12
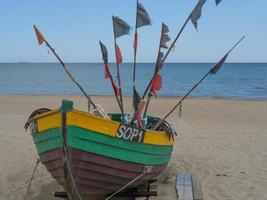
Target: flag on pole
196	13
217	67
164	36
41	40
217	2
143	18
107	72
120	27
136	99
104	52
105	59
115	88
156	84
165	28
39	36
164	39
135	42
118	54
139	120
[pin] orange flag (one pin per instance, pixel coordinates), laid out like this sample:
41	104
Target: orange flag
39	35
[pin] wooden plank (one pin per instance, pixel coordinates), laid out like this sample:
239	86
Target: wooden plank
188	187
184	186
197	193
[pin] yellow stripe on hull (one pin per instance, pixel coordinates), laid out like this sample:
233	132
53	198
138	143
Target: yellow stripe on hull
96	124
49	120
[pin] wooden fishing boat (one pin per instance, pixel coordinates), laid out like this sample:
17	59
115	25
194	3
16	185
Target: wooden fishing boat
92	157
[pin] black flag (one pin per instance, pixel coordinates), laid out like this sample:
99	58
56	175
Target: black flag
196	13
136	99
104	52
143	18
165	28
120	27
217	2
164	36
217	67
164	39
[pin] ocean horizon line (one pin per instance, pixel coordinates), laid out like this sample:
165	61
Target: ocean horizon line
208	62
128	96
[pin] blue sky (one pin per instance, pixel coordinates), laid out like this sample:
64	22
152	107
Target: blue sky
75	27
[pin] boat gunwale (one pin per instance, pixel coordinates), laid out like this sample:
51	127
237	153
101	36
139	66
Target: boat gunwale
58	110
92	123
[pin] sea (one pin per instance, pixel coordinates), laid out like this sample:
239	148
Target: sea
234	80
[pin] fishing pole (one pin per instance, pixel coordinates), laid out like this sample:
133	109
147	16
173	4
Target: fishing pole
213	70
142	19
107	72
171	47
119	81
135	46
158	62
118	68
41	40
134	68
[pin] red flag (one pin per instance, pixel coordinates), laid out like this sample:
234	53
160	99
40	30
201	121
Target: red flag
135	42
107	72
156	83
115	88
118	54
138	117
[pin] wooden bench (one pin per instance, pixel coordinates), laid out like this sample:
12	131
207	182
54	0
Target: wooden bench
188	187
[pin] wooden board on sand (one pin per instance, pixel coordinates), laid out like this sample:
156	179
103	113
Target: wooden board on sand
188	187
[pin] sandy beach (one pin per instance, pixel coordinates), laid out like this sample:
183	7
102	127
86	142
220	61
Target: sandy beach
223	142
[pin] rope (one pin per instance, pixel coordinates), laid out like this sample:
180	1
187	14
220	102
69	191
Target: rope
29	185
76	189
131	182
180	111
81	166
70	173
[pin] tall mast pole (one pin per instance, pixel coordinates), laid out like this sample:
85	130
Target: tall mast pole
169	50
155	71
118	75
197	84
135	47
